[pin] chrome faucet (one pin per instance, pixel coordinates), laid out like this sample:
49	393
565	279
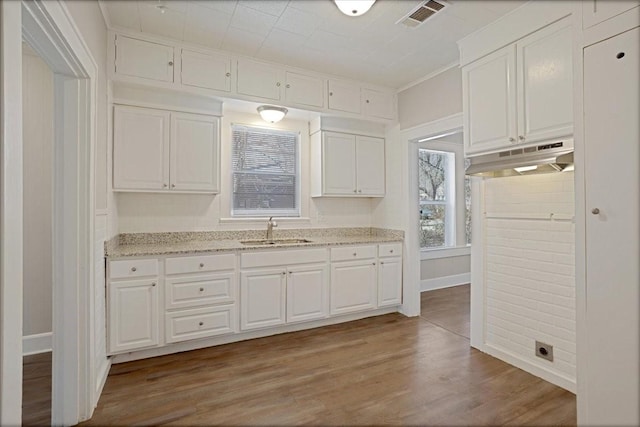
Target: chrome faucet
270	225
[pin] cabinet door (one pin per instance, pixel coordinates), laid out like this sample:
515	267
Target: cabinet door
307	293
597	11
489	102
545	84
194	152
353	286
133	315
139	58
338	164
612	173
378	104
209	71
259	79
304	90
262	298
370	166
389	281
140	148
344	96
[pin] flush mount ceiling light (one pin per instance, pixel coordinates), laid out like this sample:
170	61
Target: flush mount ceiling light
272	114
162	8
354	7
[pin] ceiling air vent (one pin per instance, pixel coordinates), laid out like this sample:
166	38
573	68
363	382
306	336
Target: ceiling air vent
421	13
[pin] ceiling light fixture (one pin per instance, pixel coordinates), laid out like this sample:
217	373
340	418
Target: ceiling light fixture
526	168
272	114
161	7
354	7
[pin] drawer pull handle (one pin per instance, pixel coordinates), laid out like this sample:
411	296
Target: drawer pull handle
201	323
201	264
201	289
133	269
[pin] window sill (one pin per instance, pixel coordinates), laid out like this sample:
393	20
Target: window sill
260	221
445	252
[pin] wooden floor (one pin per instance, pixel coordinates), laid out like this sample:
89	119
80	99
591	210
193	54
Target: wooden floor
36	390
384	370
448	308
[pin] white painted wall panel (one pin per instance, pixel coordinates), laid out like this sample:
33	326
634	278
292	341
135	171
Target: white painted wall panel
529	266
38	193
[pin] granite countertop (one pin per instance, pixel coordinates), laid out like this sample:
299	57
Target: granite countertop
145	244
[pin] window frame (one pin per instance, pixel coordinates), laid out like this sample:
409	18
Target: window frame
455	229
239	214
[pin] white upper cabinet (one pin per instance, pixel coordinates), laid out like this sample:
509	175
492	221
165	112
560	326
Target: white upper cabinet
489	101
376	103
521	94
597	11
545	89
140	58
347	165
259	79
158	150
370	173
206	70
304	90
344	96
194	152
140	148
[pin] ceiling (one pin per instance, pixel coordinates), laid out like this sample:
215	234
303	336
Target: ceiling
315	35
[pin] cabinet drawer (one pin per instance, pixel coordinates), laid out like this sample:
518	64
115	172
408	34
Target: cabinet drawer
272	258
390	249
195	264
353	252
133	268
195	291
199	323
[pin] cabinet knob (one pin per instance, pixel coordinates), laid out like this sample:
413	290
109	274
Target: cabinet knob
173	186
355	254
164	185
330	93
201	323
381	263
512	139
283	273
359	191
153	284
373	263
595	211
521	138
355	191
171	63
391	251
290	272
201	289
201	264
367	101
228	74
278	84
133	269
288	86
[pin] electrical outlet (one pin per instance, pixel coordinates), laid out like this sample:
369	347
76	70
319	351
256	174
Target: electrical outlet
544	351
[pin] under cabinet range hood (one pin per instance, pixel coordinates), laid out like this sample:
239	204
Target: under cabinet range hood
545	158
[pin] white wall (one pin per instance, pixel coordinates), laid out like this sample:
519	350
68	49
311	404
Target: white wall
147	212
529	268
437	97
37	110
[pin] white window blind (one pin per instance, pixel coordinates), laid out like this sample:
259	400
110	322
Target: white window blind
266	179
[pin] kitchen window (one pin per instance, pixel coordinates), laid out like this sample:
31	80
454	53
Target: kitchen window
445	201
265	172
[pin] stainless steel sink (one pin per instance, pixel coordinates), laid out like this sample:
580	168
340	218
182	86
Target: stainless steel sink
274	242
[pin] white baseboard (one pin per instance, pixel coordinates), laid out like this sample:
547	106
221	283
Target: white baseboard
445	282
539	371
37	343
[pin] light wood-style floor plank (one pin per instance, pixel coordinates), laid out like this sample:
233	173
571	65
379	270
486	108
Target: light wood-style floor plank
389	370
36	390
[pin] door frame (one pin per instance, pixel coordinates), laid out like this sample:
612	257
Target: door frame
49	29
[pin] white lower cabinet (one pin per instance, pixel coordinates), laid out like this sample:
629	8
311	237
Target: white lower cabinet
307	293
133	315
262	296
153	302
